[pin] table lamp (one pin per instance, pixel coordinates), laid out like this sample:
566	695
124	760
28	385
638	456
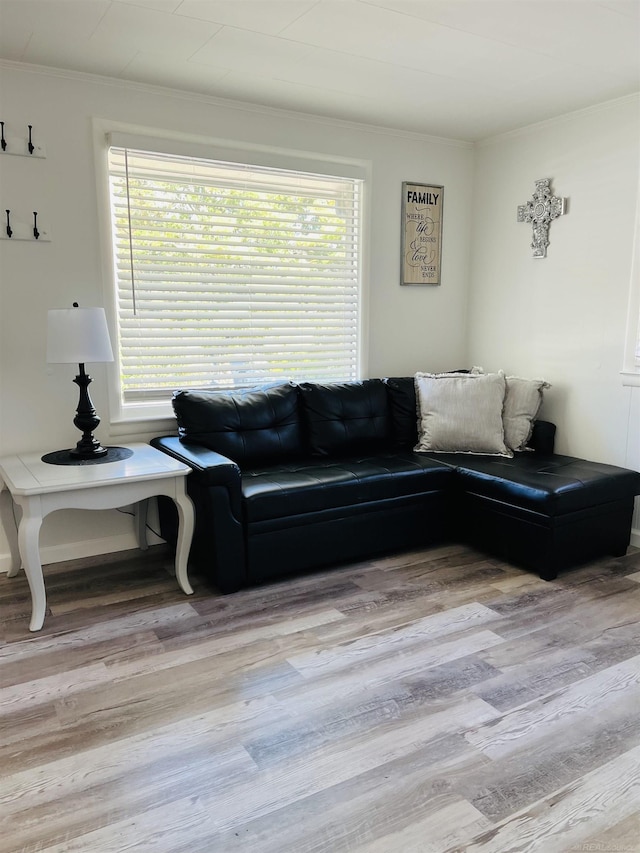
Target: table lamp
80	335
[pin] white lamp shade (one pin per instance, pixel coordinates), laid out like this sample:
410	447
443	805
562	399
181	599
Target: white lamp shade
78	336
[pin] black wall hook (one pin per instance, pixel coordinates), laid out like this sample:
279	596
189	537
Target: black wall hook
3	141
8	228
30	145
36	233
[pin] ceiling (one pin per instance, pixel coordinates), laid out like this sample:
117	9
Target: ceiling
462	69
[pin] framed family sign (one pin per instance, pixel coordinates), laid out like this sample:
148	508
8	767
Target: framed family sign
421	233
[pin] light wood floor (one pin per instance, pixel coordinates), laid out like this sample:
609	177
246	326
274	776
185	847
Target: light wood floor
435	701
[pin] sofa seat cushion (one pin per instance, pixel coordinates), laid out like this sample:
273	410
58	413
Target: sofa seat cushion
293	489
551	485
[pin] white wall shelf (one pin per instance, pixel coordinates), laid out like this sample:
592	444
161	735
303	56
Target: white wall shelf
24	231
20	148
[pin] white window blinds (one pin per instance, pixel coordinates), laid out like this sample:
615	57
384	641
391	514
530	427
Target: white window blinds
230	275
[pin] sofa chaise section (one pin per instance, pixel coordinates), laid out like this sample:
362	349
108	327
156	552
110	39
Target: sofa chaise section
544	511
539	509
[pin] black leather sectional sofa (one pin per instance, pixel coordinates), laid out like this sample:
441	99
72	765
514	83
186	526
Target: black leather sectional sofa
297	476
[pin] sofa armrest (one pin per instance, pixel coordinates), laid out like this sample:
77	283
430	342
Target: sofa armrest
543	437
214	486
210	468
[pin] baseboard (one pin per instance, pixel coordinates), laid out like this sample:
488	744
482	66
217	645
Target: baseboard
635	537
86	548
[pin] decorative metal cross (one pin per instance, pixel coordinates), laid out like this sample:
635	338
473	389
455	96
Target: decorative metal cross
542	208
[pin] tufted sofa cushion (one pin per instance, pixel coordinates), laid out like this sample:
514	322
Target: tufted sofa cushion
403	410
319	485
255	425
345	416
551	485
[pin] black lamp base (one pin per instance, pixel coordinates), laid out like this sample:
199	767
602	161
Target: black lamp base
86	420
88	448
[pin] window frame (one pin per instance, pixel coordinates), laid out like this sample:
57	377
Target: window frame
132	417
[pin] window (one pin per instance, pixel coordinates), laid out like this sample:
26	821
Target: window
231	275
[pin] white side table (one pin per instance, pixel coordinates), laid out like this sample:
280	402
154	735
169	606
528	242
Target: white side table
39	488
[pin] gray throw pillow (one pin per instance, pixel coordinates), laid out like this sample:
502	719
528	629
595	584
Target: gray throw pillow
522	402
461	413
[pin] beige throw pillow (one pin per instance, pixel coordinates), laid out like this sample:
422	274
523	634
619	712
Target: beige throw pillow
522	403
461	413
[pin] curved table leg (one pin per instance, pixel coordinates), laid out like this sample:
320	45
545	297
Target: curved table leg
185	533
28	543
10	513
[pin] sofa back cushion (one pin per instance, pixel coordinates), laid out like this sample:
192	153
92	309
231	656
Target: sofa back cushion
343	417
248	426
403	412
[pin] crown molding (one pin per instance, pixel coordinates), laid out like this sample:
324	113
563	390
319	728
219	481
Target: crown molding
226	103
560	119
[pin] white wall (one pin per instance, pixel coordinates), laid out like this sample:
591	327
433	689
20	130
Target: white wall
409	329
563	317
